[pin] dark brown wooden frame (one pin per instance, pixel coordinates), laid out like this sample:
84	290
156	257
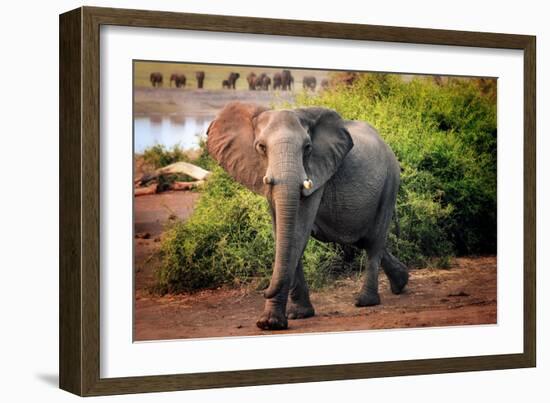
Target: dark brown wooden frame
79	200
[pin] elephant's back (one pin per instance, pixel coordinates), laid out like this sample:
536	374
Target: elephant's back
363	134
367	143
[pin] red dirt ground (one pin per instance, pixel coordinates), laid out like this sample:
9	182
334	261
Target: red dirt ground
465	294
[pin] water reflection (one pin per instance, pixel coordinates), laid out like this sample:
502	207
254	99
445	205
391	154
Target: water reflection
169	131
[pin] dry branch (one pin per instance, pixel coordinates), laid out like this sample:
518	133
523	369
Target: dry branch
149	190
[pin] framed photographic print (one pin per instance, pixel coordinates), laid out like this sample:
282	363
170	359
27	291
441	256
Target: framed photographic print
249	201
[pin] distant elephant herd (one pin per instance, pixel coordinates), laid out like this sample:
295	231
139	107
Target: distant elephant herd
180	80
283	80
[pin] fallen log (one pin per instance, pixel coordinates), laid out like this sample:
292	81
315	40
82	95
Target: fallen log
154	189
148	190
176	168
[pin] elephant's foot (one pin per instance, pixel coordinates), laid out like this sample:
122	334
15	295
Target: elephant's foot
299	310
367	299
396	272
398	281
272	320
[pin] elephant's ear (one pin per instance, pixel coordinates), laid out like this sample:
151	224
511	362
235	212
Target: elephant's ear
230	141
331	142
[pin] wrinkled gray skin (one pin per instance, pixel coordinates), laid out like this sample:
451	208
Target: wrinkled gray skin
355	178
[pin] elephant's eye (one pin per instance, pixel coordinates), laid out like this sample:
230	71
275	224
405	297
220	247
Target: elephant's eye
307	149
261	148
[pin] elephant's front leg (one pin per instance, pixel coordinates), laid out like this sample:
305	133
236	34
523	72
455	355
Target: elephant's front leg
274	316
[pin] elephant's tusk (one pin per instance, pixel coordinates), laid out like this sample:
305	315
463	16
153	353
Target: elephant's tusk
308	184
267	180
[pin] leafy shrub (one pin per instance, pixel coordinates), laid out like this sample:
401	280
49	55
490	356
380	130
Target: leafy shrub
227	240
159	156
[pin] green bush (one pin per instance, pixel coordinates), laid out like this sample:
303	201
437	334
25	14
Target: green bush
228	240
445	139
159	156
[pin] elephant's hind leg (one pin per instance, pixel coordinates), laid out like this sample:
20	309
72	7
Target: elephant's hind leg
396	272
368	296
299	306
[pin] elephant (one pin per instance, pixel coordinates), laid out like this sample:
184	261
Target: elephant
251	80
309	83
199	75
277	81
156	79
345	78
225	84
325	83
323	176
259	81
179	80
263	82
287	80
232	79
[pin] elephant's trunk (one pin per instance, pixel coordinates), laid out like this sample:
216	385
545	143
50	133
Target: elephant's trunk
287	182
286	208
